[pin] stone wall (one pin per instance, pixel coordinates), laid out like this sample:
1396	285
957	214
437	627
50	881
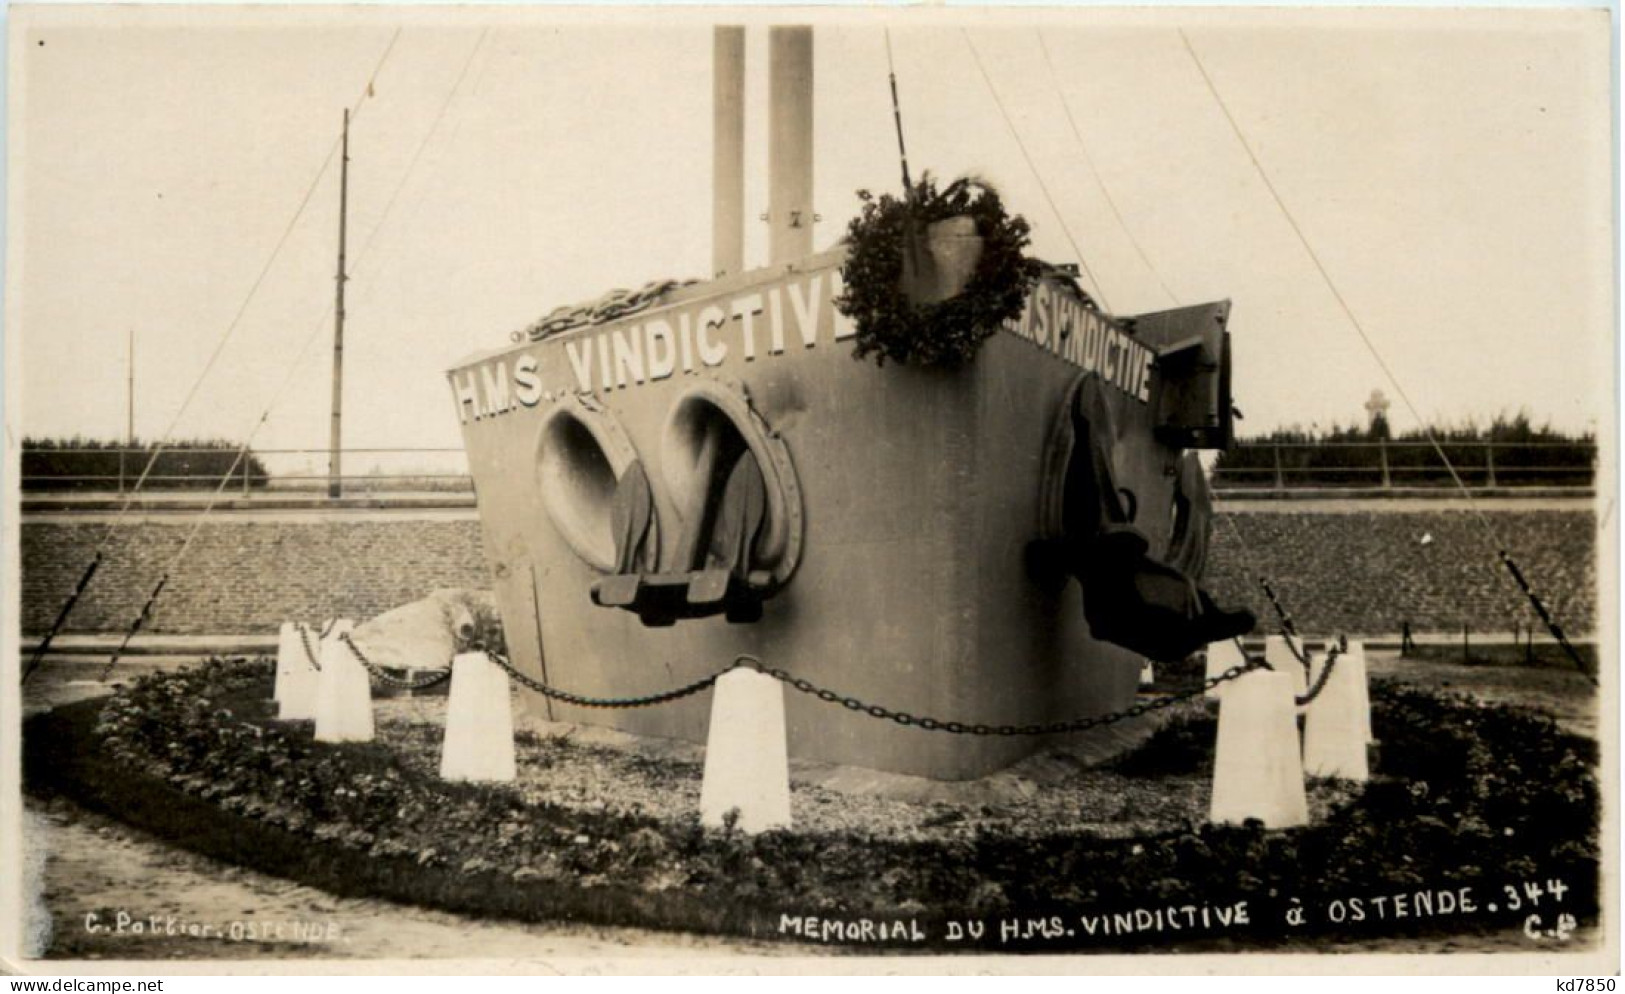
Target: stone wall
1368	571
242	575
1358	571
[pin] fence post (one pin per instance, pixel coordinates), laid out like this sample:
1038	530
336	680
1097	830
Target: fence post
1280	482
1382	456
1489	463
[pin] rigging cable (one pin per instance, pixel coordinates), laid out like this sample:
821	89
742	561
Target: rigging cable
999	103
214	356
1494	535
1287	626
1089	160
288	380
253	290
897	115
423	143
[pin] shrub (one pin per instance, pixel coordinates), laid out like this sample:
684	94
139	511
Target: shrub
93	464
1353	456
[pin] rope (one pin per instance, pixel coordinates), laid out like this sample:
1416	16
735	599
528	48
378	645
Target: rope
1089	160
1048	197
1354	321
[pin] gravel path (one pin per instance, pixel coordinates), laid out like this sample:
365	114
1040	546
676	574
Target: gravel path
1055	792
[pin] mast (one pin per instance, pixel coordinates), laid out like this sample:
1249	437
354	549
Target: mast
728	150
335	486
129	405
790	143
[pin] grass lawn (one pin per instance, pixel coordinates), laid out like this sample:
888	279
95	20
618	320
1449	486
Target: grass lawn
1544	655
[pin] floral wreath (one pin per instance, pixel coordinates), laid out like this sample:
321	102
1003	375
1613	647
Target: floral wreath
947	333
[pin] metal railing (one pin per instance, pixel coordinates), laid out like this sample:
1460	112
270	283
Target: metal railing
265	471
1386	465
1258	465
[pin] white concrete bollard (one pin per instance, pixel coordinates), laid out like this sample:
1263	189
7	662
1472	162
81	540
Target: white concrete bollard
1281	659
747	762
343	692
1220	657
1335	733
288	654
1317	660
1279	654
1354	659
1257	767
479	722
296	701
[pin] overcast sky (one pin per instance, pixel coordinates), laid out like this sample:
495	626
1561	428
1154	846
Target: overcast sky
1452	169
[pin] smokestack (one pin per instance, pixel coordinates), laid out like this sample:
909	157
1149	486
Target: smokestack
790	144
728	150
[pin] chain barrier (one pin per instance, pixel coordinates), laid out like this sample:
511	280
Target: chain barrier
1289	630
565	697
1289	635
310	653
1304	700
389	680
961	728
1546	616
140	619
62	616
905	718
1288	627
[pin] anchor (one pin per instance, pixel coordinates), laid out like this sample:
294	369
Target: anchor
717	551
1130	598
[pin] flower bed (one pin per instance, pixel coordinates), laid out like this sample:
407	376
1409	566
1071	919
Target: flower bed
1467	796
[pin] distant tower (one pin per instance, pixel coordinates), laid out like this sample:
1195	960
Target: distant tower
1377	409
